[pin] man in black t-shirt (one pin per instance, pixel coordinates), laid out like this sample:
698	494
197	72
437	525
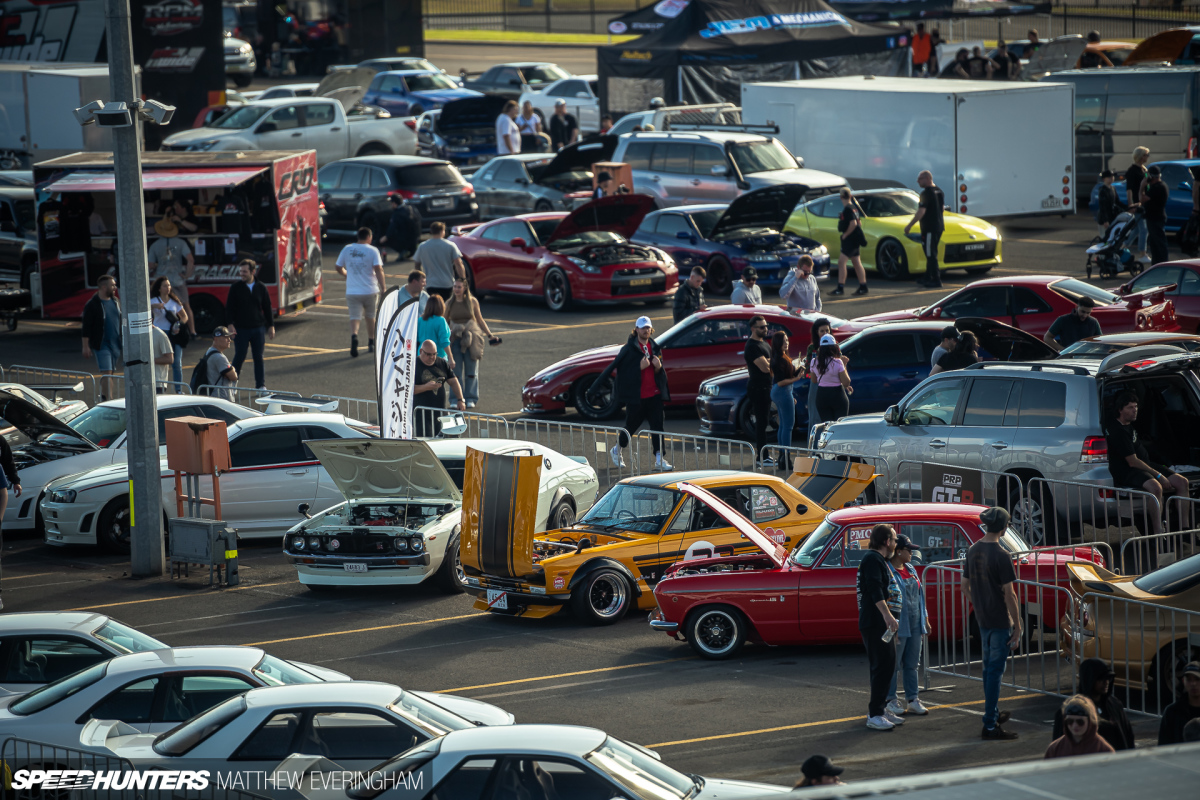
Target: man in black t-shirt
1070	328
1155	207
930	216
758	390
564	130
874	587
1008	66
1129	462
429	387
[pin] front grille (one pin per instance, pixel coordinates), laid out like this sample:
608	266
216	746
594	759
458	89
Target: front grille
970	251
638	280
177	147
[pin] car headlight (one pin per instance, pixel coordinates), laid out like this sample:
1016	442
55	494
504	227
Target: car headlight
417	544
710	390
298	543
246	50
591	269
62	496
314	543
820	251
549	376
401	544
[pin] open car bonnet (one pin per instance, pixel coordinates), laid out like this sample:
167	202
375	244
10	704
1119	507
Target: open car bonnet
1161	47
34	422
1005	342
471	112
347	86
744	526
618	213
1055	56
762	208
385	468
578	157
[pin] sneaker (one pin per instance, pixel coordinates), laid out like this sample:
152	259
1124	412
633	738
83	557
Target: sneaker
879	724
861	289
354	347
615	455
998	734
661	463
370	345
767	463
1004	717
895	707
892	718
916	707
839	290
470	404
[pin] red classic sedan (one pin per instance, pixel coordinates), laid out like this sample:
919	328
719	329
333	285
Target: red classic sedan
705	344
808	596
1033	302
583	256
1180	280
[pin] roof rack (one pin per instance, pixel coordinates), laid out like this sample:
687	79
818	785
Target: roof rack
770	129
1034	366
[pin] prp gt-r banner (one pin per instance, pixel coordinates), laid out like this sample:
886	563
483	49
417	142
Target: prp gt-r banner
940	484
395	362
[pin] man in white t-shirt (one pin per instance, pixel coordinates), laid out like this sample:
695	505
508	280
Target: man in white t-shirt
362	266
508	135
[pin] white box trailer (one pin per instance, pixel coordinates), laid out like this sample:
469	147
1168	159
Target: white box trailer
996	149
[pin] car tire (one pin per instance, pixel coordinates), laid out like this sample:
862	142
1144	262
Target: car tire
208	312
1034	517
374	149
471	281
891	260
605	409
241	80
556	290
112	526
716	632
602	597
746	419
415	111
450	577
542	206
562	515
720	276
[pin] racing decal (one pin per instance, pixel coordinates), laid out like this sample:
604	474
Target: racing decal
172	16
858	538
174	59
296	207
805	19
560	582
775	535
940	484
700	549
51	30
500	495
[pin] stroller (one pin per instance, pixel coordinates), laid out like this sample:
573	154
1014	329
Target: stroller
1111	254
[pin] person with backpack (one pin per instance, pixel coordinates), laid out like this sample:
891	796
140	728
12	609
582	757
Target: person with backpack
214	368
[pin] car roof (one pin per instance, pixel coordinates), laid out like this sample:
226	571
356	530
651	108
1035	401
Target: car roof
291	418
747	310
283	101
902	511
391	161
535	217
1141	337
32	621
533	739
525	157
700	477
710	136
919	325
411	72
314	694
208	657
167	401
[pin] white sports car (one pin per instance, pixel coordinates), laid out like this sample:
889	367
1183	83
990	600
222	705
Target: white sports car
403	502
46	398
272	471
95	438
580	94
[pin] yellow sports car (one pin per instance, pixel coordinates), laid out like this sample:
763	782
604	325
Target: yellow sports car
611	559
1144	625
968	242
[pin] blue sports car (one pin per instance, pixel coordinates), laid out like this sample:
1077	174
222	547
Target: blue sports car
886	361
412	92
1179	177
727	239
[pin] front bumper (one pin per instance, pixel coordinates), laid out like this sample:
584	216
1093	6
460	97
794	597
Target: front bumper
240	65
543	400
520	598
321	570
69	523
716	414
628	282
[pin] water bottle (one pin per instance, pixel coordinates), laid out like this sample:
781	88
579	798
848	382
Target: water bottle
888	635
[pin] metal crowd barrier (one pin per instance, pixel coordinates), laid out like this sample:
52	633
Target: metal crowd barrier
173	387
1182	513
22	754
593	442
21	373
427	424
1087	511
1141	554
687	452
357	408
781	456
1146	645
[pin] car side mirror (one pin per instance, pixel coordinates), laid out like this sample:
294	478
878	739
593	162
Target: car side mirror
1184	186
517	242
267	127
892	415
1123	289
302	510
719	170
683	235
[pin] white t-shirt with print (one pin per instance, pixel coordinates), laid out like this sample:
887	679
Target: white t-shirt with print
359	260
505	124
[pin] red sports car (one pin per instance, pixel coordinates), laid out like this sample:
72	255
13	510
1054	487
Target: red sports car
808	596
582	256
1181	282
705	344
1033	302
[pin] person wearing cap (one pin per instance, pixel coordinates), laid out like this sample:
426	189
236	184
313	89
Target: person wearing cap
1185	709
171	256
604	185
1095	683
219	372
746	291
1107	204
877	595
987	581
430	377
949	342
828	369
818	770
641	384
1070	328
964	354
1081	726
914	624
564	129
1154	204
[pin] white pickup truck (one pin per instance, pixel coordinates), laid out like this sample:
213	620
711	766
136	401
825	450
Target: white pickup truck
302	123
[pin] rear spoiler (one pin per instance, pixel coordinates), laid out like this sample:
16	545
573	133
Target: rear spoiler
1153	296
460	230
97	732
54	388
276	403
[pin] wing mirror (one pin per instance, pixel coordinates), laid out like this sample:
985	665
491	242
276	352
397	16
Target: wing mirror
719	170
683	235
892	415
302	510
1184	186
518	242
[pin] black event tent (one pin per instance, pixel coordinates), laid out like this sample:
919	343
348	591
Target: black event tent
696	51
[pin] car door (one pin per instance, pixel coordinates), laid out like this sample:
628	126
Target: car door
1031	312
991	301
711	181
638	154
328	493
356	739
270	476
884	367
27	662
282	129
324	132
669	228
483	181
707	347
828	605
509	268
821	216
923	430
985	433
671	169
510	192
349	194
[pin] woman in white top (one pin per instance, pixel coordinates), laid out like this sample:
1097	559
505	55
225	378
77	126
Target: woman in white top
530	125
170	316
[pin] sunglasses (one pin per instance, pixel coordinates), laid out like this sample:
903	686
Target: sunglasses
1073	721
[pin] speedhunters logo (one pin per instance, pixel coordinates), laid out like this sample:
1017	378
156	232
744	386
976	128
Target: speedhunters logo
64	780
807	19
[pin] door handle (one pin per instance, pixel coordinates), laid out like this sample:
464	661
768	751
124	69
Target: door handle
998	445
335	129
937	443
297	133
912	374
297	472
695	181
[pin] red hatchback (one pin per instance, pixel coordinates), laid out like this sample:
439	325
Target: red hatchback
1033	302
705	344
582	256
808	596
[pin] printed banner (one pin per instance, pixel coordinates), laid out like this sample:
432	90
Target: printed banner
396	355
941	484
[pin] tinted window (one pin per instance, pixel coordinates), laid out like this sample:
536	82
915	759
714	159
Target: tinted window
259	448
389	83
1189	285
507	75
327	176
319	114
672	224
214	412
510	171
190	695
131	704
1043	404
568	89
1154	278
1089	110
678	158
42	659
1026	301
828	209
936	542
428	175
354	177
887	350
542	228
987	402
935	404
637	154
507	231
285	118
1173	579
488	171
379	179
705	157
357	735
984	301
713	331
468	781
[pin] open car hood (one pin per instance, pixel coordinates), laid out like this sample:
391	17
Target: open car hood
1164	46
391	468
618	213
830	484
500	496
1056	56
579	157
471	112
776	552
762	208
347	86
1005	342
34	422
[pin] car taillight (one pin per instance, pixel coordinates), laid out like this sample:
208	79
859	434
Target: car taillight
468	188
411	122
1095	450
407	194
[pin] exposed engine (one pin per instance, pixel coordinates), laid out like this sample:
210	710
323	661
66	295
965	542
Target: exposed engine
32	454
367	529
412	516
764	240
605	254
548	548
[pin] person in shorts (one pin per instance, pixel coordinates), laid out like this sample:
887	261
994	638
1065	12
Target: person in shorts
361	265
102	332
1129	462
853	238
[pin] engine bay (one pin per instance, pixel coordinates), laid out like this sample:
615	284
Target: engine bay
410	516
605	254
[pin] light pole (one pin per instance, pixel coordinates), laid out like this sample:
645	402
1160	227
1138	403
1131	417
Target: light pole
124	115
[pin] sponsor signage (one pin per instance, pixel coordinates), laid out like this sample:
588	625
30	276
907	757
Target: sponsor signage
940	484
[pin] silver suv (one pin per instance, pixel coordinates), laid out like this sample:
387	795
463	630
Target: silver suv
714	167
1035	420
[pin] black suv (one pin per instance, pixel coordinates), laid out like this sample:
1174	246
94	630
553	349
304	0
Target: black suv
18	235
355	192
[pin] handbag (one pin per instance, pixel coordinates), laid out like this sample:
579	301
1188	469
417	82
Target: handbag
178	335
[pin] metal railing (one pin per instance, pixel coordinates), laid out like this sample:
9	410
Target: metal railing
1182	513
427	424
22	754
1142	554
780	457
173	387
357	408
687	452
1063	511
593	442
28	375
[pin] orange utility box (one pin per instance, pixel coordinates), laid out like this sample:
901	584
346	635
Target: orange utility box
622	173
197	445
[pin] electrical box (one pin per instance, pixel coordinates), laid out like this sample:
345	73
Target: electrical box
197	445
206	542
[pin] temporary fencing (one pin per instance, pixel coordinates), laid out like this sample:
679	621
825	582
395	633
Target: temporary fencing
427	422
689	452
593	442
1060	511
781	459
356	408
1141	554
23	754
50	376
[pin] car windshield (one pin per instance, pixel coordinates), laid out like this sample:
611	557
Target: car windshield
123	637
25	216
546	73
1073	290
61	689
810	549
1171	579
103	425
1086	349
762	156
705	221
1013	542
433	718
274	671
584	238
429	82
889	204
640	773
183	737
396	770
628	506
241	118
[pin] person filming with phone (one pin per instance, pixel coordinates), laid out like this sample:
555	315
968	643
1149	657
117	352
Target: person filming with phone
429	387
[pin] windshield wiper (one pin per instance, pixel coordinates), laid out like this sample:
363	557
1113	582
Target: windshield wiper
697	786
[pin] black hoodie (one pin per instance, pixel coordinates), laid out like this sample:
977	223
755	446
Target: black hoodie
628	366
1114	724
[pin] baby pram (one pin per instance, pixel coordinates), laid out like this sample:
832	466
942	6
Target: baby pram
1111	255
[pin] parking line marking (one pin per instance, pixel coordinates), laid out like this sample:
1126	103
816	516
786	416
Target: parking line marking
812	724
364	630
175	597
565	675
22	577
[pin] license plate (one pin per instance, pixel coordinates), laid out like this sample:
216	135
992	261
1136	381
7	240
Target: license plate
354	566
974	247
441	202
497	599
641	281
1051	202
